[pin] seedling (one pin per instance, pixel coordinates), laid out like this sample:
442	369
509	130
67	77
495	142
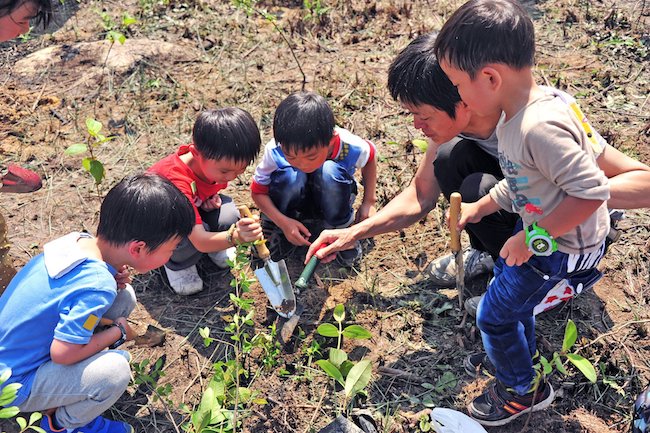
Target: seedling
7	396
353	377
90	163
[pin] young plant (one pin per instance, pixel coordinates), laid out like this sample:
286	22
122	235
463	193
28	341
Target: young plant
250	7
353	377
151	377
7	396
226	401
559	359
90	163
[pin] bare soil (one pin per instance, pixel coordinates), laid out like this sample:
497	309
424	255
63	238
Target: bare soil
183	57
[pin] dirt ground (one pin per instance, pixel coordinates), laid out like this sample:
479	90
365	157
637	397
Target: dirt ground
184	56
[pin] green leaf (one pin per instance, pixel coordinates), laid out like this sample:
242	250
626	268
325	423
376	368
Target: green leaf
337	357
447	381
76	149
22	423
327	330
9	412
95	168
9	393
114	36
127	20
35	416
6	374
584	366
331	370
93	126
357	332
547	367
560	366
339	313
358	378
37	429
425	425
345	368
570	336
420	144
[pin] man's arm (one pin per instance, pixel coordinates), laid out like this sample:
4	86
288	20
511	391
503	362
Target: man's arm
629	179
405	209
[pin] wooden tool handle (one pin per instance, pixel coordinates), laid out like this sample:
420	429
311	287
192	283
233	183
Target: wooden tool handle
454	212
261	247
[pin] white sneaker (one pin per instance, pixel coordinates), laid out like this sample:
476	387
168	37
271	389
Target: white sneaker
220	258
442	272
185	281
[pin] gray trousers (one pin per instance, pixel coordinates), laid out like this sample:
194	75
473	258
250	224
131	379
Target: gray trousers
83	391
218	220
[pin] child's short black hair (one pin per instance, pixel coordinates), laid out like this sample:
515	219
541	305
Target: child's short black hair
145	207
487	31
227	133
415	77
44	8
302	121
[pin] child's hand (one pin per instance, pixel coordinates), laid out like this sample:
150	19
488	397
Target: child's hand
515	251
295	232
130	334
469	213
248	230
365	211
123	277
211	203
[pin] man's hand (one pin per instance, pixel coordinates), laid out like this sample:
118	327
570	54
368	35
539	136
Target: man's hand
366	210
295	232
337	240
515	251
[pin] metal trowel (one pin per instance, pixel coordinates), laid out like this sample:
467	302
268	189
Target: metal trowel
273	277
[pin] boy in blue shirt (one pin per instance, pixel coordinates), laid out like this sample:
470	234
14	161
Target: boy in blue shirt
307	171
50	310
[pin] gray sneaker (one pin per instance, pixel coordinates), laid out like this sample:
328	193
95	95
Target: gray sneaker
442	272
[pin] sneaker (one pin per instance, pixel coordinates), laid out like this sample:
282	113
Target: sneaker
442	272
98	425
220	258
185	281
350	258
479	363
499	405
471	305
276	242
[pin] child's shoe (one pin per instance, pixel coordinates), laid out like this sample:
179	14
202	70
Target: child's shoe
479	363
220	258
98	425
351	257
442	272
499	405
185	281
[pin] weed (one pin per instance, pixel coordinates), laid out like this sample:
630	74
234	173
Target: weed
315	10
7	396
151	378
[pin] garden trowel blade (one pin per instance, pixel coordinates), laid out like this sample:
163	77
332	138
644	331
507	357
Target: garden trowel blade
274	279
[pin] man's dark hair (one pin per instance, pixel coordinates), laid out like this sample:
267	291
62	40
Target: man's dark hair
303	121
43	14
227	133
487	31
415	77
145	207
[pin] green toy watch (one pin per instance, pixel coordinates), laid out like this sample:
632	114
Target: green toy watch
539	241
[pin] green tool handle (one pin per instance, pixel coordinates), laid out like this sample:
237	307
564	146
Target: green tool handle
306	274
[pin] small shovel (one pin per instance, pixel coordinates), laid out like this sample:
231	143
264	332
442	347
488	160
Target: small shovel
454	212
273	277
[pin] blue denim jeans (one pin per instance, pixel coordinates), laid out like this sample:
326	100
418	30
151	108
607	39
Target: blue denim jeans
326	194
505	314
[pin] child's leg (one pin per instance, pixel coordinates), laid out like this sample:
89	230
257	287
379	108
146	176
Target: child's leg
123	305
219	220
334	190
82	391
287	191
505	316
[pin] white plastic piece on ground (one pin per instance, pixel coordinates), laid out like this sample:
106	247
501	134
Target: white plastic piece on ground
445	420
